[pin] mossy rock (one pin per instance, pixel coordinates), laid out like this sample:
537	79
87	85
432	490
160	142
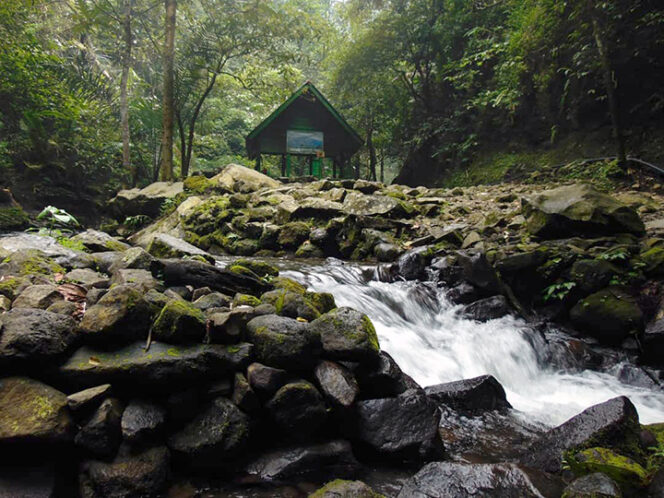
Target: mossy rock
246	300
291	304
293	234
288	284
11	287
243	247
31	262
322	301
242	270
347	334
623	470
179	321
654	260
208	216
13	218
340	488
198	184
258	267
657	430
309	250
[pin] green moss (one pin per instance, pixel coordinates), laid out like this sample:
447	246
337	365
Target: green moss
395	194
246	300
322	301
74	245
293	234
370	331
625	471
241	270
31	262
288	284
258	267
198	184
654	260
114	245
9	286
13	218
179	320
341	487
657	431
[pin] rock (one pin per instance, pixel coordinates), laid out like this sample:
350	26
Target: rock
97	241
370	205
266	380
383	379
578	209
318	208
163	245
614	424
385	252
653	341
19	481
146	201
215	437
654	261
37	296
411	265
101	435
596	485
610	315
162	367
28	262
627	473
179	321
228	327
464	293
243	395
309	250
466	480
66	308
405	427
34	335
309	462
337	384
88	278
656	488
88	399
366	187
135	258
477	394
284	342
591	275
486	309
477	270
291	304
236	178
293	234
345	489
212	300
141	279
347	334
297	409
471	239
32	412
142	420
143	474
12	216
121	314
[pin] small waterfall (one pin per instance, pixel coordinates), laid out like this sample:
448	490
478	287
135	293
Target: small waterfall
420	328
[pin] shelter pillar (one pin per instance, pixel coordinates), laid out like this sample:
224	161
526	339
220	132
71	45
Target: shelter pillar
283	164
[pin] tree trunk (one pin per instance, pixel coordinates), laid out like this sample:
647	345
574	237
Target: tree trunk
382	166
187	151
607	74
124	94
166	171
372	154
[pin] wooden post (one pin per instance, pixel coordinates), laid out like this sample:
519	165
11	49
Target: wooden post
283	164
311	165
258	162
334	167
357	168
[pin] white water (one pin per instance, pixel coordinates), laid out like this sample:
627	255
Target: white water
433	345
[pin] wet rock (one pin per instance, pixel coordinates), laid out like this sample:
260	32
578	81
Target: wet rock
293	234
179	321
162	367
596	485
101	435
142	420
627	473
464	293
653	342
405	427
591	275
243	395
477	270
141	279
143	474
386	252
33	412
212	300
284	342
411	265
228	327
34	335
318	461
98	241
309	250
337	384
37	296
578	209
266	380
88	399
347	334
214	437
477	394
383	378
486	309
88	278
610	315
297	408
291	304
463	480
121	314
146	201
345	489
614	424
163	245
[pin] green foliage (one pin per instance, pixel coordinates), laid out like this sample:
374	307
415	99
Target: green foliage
136	222
56	217
557	292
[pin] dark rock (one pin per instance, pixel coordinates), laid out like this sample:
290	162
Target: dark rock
34	335
183	405
143	474
216	436
405	427
318	461
613	424
88	278
37	296
464	293
463	480
337	384
163	245
411	265
291	304
297	408
101	435
477	394
266	380
200	292
446	270
212	300
94	295
98	241
163	366
486	309
477	270
653	342
386	252
180	293
345	489
591	275
347	334
140	279
27	481
228	327
383	379
135	258
179	321
243	395
284	342
595	485
33	412
656	488
88	399
146	201
142	420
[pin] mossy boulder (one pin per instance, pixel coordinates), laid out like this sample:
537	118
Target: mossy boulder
623	470
179	321
340	488
166	246
309	250
297	409
293	234
29	262
288	284
245	300
260	268
291	304
12	286
347	334
654	260
610	315
198	184
32	412
37	296
591	275
98	241
595	485
13	218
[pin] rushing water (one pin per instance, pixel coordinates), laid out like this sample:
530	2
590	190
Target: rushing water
421	329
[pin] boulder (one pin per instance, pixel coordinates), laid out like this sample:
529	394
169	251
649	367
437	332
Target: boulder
33	412
141	279
34	335
179	321
337	384
383	378
212	300
142	420
121	314
146	201
143	474
340	488
464	293
315	462
347	334
28	262
243	395
412	264
293	234
405	427
370	205
163	245
88	399
486	309
88	278
97	241
386	252
135	258
476	270
266	380
656	488
595	485
614	424
228	327
591	275
236	178
284	342
291	304
37	296
653	341
578	210
297	409
214	438
101	435
477	394
318	208
163	367
467	480
610	315
627	473
12	216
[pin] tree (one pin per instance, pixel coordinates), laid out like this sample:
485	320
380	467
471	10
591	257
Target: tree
168	105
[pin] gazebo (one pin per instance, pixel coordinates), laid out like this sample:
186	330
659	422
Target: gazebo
305	125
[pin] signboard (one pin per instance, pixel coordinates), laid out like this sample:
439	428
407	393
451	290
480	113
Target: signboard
304	142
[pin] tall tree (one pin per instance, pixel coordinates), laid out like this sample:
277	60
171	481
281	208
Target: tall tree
124	87
168	104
